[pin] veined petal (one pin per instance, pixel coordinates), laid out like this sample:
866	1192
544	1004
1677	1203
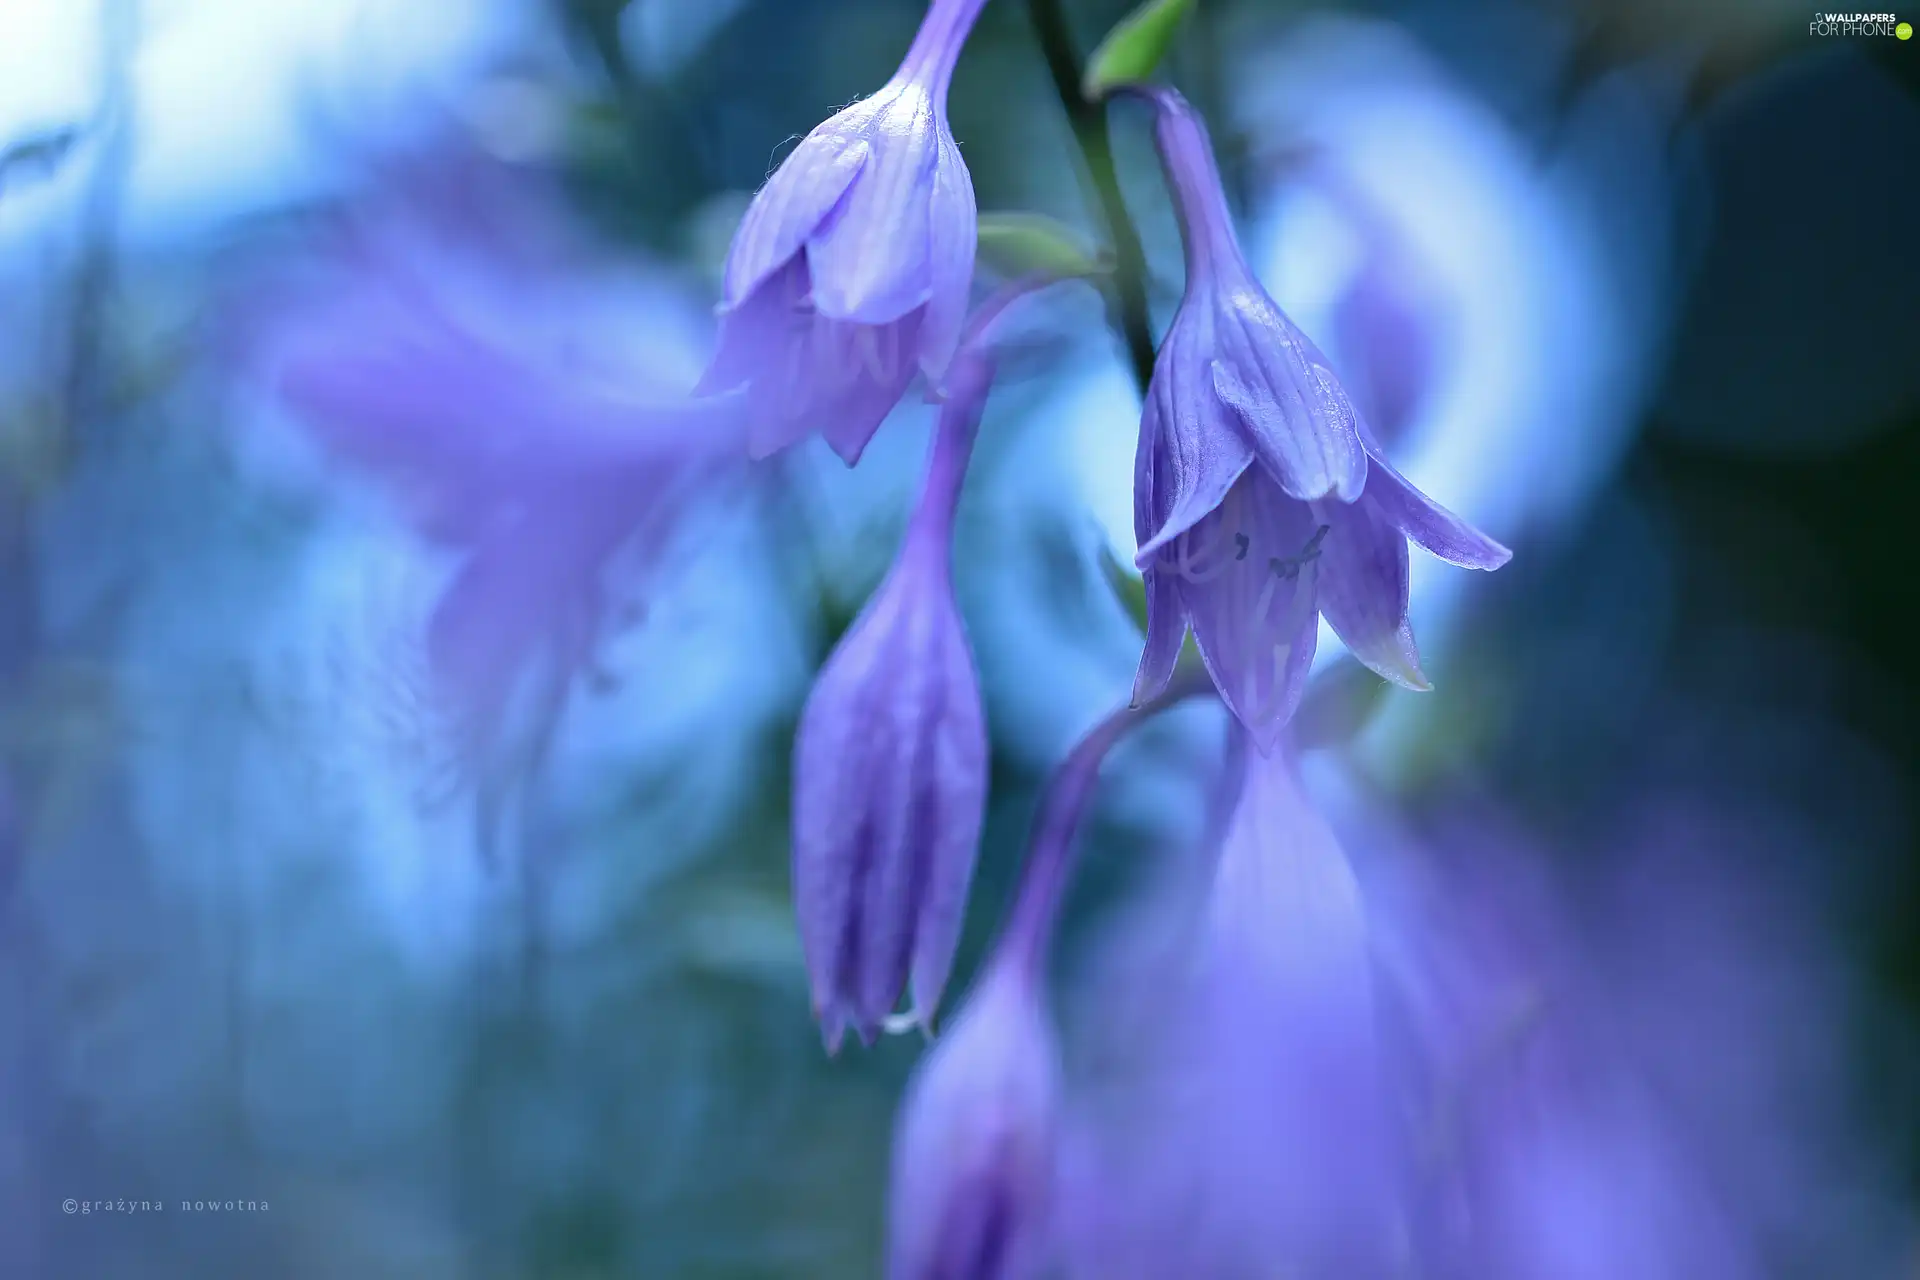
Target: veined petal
1436	529
807	372
864	369
1293	410
1247	575
840	761
873	260
958	754
765	345
954	230
791	207
1166	632
1192	455
907	803
1364	587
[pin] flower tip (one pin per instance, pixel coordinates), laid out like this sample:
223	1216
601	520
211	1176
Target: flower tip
1351	481
900	1024
833	1031
1411	679
847	450
1148	684
1395	659
1265	735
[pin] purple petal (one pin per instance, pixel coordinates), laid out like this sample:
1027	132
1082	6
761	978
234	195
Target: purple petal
1248	583
877	364
954	229
950	830
805	372
1295	414
1364	586
1166	632
872	261
1190	456
837	754
1434	528
791	207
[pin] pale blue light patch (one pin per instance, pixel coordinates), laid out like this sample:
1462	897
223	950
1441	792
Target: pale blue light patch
720	655
853	517
226	91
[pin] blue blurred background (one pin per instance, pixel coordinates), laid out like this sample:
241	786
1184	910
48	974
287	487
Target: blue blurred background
508	987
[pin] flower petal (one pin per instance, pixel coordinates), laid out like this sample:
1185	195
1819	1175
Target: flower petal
791	207
952	832
1295	414
871	366
806	372
1364	586
1247	576
953	226
873	260
1191	456
1436	529
1166	632
841	756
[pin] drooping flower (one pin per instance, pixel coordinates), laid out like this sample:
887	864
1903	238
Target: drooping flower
851	268
1261	498
890	769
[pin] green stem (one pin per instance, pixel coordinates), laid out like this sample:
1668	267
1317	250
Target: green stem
1127	305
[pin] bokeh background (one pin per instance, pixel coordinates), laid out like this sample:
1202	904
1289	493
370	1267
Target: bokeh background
517	994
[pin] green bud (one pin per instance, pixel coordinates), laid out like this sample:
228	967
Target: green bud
1133	50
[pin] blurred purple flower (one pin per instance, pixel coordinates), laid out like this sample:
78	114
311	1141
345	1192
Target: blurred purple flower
1256	1138
1261	500
890	769
852	267
1494	1069
442	346
973	1162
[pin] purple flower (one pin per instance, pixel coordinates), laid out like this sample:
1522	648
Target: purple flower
890	770
973	1161
1470	1056
1255	1135
1261	500
441	346
851	269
